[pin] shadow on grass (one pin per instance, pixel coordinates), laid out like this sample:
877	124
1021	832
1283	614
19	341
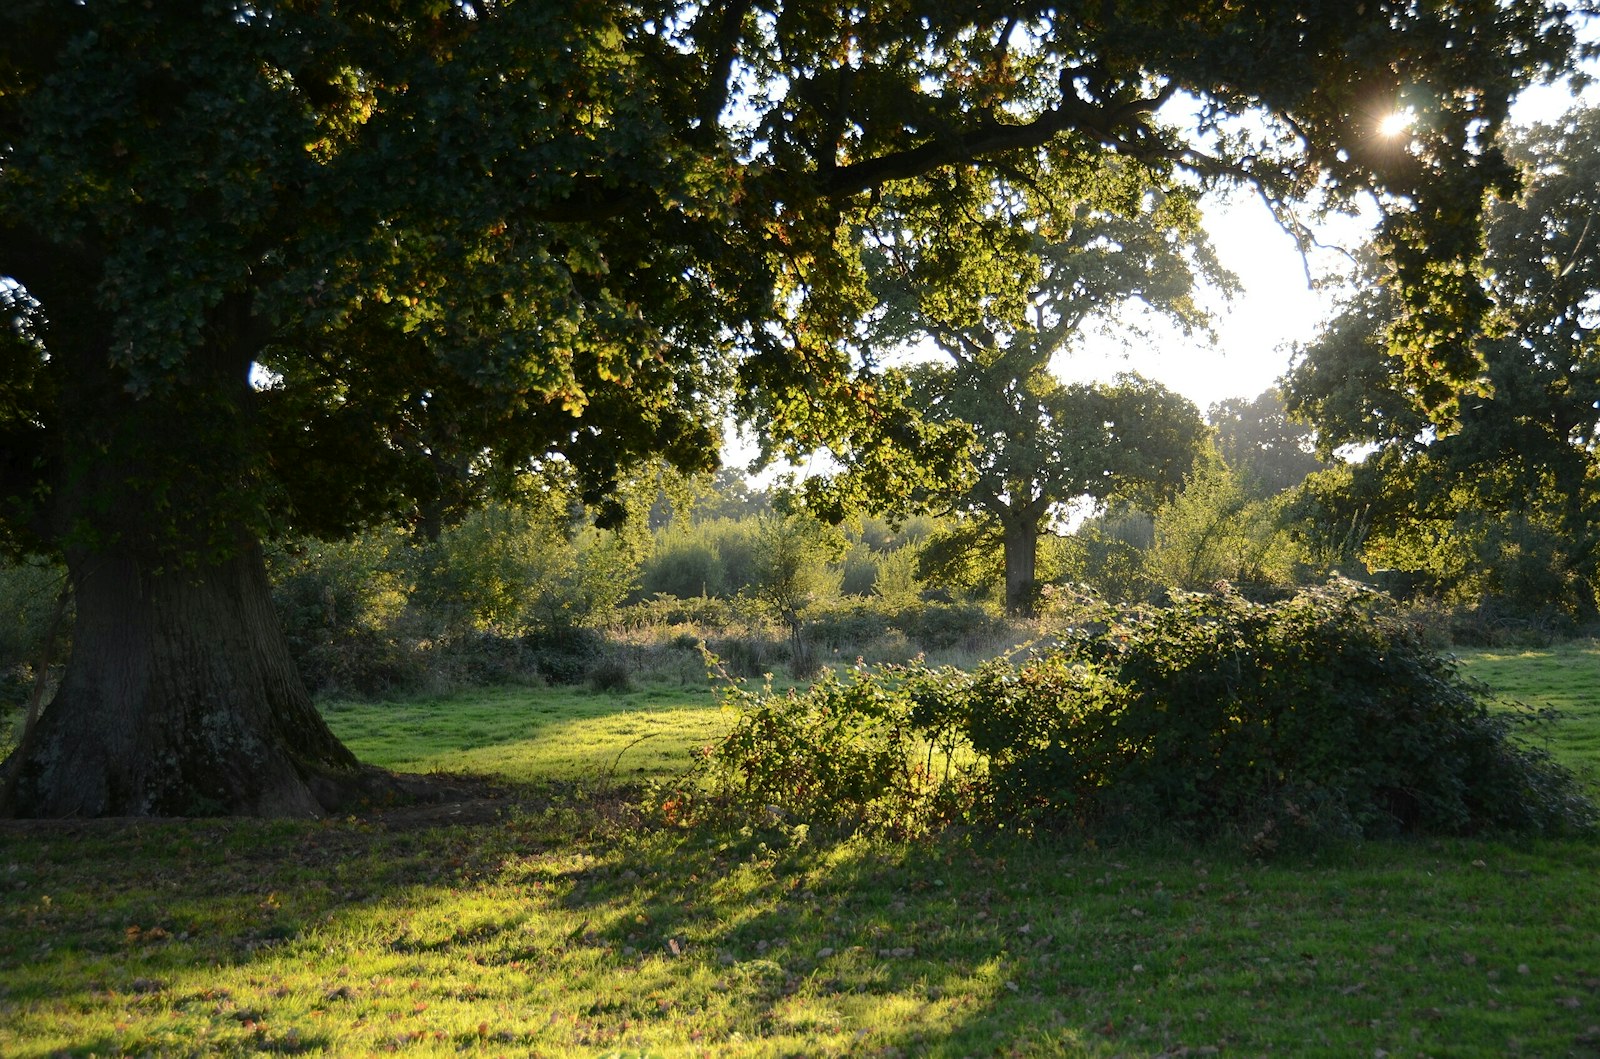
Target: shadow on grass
564	925
547	929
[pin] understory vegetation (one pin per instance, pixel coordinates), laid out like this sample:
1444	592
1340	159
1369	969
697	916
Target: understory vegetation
1295	723
1264	713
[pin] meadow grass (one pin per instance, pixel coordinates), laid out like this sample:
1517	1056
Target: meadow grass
528	735
1565	677
564	925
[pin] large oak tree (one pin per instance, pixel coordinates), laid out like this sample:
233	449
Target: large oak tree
309	263
1002	276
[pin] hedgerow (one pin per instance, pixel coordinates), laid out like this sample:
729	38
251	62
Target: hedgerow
1299	721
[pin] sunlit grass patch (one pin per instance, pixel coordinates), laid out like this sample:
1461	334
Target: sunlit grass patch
1564	676
529	734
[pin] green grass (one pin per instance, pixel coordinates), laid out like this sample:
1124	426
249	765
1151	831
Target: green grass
1566	677
569	928
526	735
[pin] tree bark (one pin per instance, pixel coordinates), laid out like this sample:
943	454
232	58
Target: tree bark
180	696
1021	543
180	699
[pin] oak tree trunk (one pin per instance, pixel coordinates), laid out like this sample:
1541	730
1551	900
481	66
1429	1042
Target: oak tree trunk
180	699
1021	543
180	696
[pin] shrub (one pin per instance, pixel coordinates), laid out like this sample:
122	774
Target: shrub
841	754
340	603
700	612
610	675
1316	714
512	568
684	564
859	575
744	657
29	592
849	625
941	626
564	654
1313	718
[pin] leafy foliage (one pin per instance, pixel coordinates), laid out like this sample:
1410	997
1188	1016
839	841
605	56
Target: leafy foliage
512	568
1214	530
1296	722
341	604
842	754
1473	510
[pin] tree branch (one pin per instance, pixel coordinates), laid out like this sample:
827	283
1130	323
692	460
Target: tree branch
1105	123
724	50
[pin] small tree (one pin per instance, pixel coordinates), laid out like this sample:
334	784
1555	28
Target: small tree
513	568
1213	531
793	561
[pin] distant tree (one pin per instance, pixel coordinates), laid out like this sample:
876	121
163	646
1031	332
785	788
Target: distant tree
1517	479
1267	449
1043	444
945	269
730	494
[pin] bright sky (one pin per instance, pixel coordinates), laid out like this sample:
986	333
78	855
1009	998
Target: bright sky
1277	308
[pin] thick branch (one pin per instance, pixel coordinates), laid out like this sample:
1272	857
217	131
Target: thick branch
1106	124
724	49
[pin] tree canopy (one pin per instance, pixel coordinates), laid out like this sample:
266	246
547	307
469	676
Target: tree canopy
314	264
1270	451
1502	503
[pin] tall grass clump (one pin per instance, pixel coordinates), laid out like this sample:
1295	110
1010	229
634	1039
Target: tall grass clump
1312	719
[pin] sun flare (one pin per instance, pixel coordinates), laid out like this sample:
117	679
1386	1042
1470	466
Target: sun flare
1396	124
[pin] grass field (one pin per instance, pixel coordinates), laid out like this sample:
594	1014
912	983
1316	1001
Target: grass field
523	736
562	926
1566	677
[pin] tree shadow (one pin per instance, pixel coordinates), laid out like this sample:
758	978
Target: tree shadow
523	924
561	921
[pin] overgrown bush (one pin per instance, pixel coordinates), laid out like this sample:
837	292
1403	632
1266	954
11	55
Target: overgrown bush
610	675
684	564
1299	721
1214	530
340	604
517	568
746	657
940	626
842	754
564	654
697	612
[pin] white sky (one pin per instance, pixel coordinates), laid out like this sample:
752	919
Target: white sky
1277	308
